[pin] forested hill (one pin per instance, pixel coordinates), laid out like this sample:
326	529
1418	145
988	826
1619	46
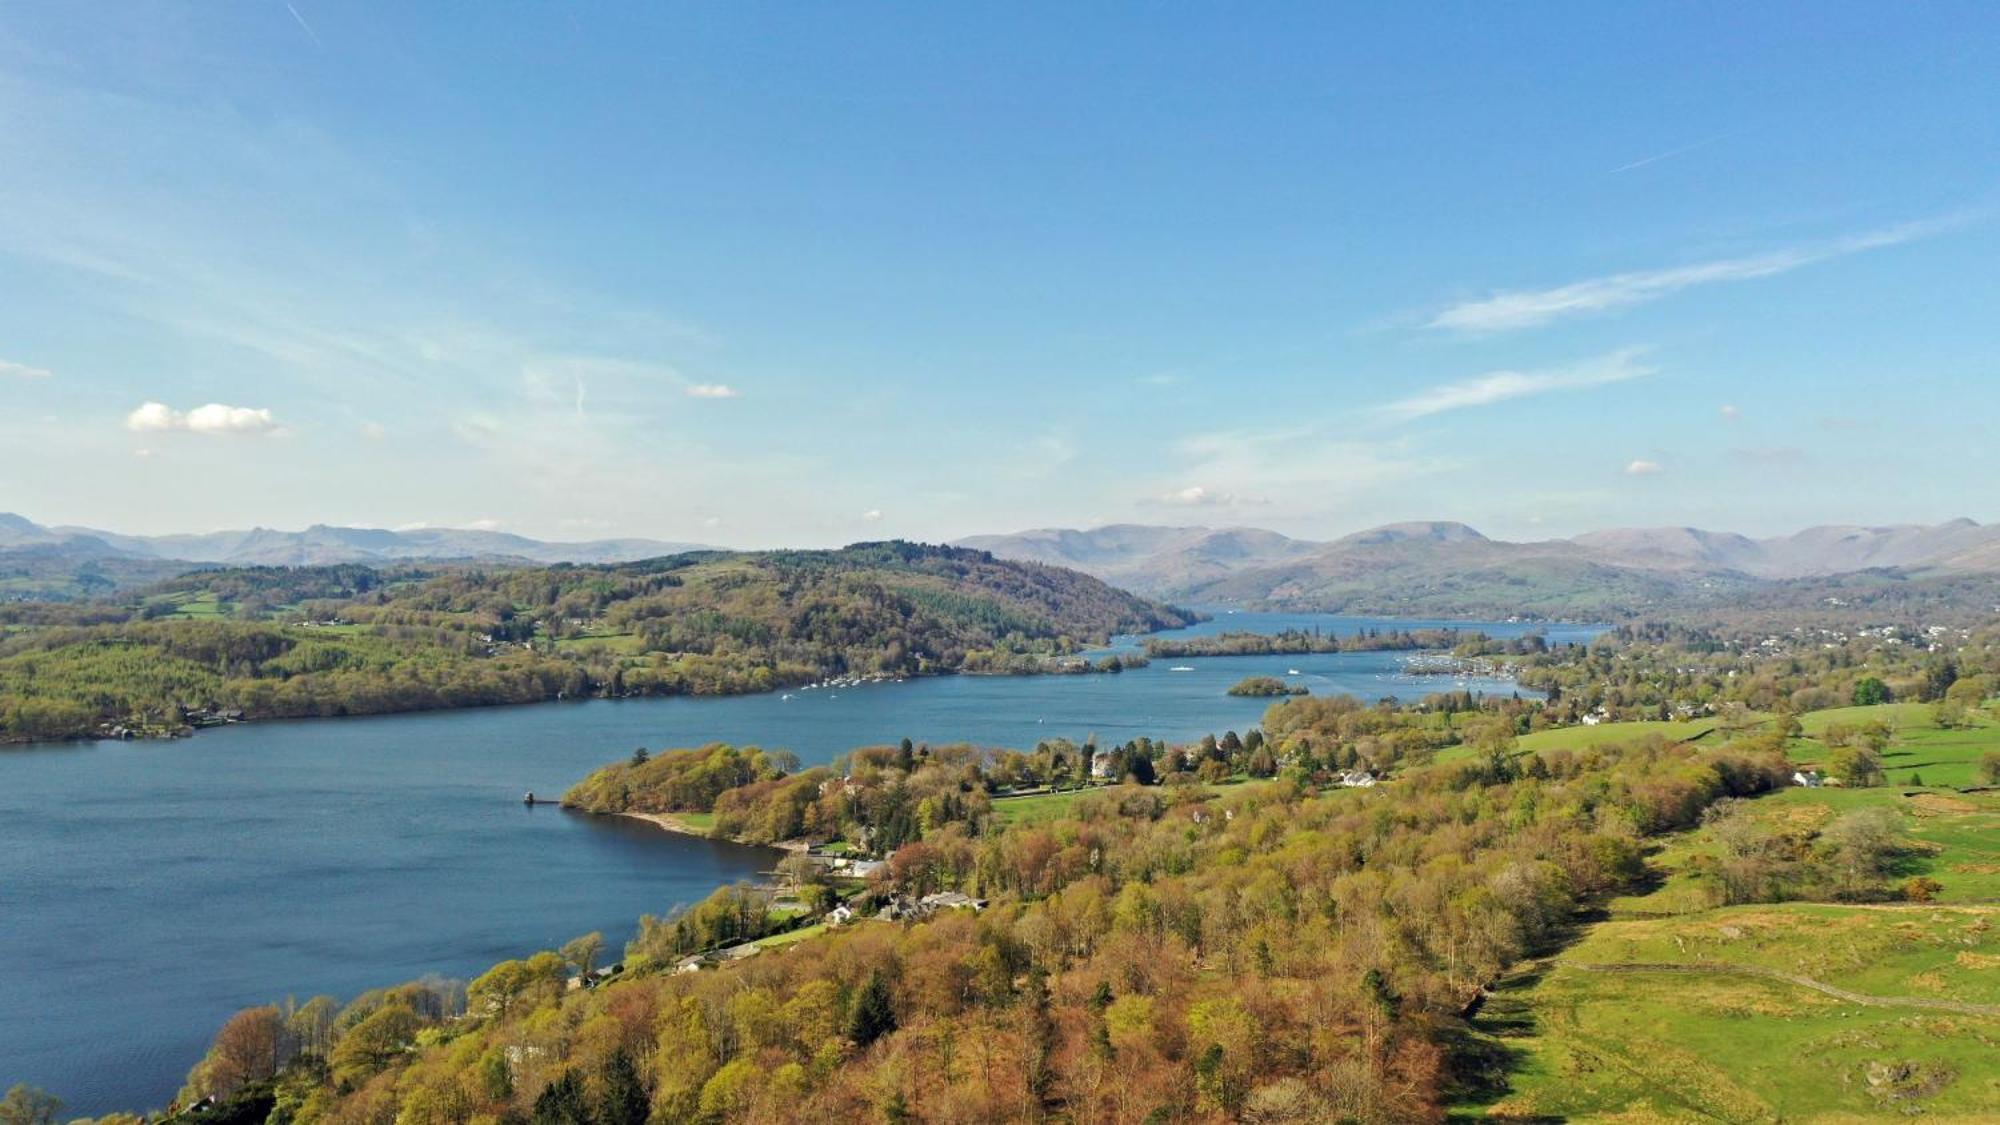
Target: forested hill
310	641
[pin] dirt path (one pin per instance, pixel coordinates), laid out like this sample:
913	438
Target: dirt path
1718	969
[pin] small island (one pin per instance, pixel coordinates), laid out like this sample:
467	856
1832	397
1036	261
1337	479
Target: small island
1267	686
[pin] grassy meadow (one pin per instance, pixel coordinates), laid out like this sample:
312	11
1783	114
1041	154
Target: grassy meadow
1675	1009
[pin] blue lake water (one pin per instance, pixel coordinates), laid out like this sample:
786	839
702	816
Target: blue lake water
148	890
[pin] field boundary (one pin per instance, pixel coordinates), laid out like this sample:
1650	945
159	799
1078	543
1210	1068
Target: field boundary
1719	969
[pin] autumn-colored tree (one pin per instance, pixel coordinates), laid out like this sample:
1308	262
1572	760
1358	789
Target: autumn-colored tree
250	1047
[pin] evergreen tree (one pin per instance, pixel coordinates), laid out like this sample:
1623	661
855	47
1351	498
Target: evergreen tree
562	1103
874	1015
621	1097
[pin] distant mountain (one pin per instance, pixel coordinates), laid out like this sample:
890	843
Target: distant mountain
1141	557
1446	568
39	557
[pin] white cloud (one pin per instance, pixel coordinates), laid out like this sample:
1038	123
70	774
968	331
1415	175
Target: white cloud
1644	469
154	416
872	515
1729	413
483	525
1526	308
12	370
709	390
212	419
215	418
1499	386
373	431
1197	496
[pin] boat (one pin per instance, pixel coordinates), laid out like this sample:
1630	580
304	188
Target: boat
1293	672
1181	668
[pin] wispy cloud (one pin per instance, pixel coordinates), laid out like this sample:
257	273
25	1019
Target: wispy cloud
872	515
213	419
1682	150
1525	308
709	390
11	370
1500	386
303	25
1201	496
1644	468
1729	413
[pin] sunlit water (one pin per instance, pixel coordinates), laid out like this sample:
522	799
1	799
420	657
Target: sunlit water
148	890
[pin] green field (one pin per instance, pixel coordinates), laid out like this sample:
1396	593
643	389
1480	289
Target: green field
1669	1011
1673	1046
199	606
790	937
1036	807
1604	734
624	644
1917	745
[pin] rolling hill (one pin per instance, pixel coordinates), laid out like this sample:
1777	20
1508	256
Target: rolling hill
1441	567
68	562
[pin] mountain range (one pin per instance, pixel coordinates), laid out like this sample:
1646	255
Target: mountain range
1442	567
321	544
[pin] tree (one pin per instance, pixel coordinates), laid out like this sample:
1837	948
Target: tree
1857	765
584	951
311	1026
29	1105
249	1048
874	1013
621	1097
1869	691
1940	672
561	1103
1948	714
1989	768
373	1043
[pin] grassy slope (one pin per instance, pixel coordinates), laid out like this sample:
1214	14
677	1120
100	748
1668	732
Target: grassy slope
1673	1046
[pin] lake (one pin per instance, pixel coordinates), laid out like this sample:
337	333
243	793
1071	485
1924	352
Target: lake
150	889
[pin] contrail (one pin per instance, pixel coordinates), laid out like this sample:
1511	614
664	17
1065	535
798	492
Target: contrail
1673	152
314	35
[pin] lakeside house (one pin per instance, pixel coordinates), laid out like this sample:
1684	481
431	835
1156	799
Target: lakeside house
903	908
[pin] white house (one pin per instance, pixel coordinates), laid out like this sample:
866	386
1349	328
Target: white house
1357	779
1808	778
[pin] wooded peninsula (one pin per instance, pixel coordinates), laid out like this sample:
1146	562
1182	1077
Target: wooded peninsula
271	642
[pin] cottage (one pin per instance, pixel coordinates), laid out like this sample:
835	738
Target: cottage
1357	779
1103	765
1807	778
840	915
951	900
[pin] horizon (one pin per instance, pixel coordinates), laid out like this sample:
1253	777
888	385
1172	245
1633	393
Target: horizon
716	277
957	539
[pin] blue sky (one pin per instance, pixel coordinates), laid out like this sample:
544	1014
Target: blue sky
756	274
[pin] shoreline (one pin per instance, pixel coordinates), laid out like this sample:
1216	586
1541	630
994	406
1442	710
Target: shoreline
670	823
